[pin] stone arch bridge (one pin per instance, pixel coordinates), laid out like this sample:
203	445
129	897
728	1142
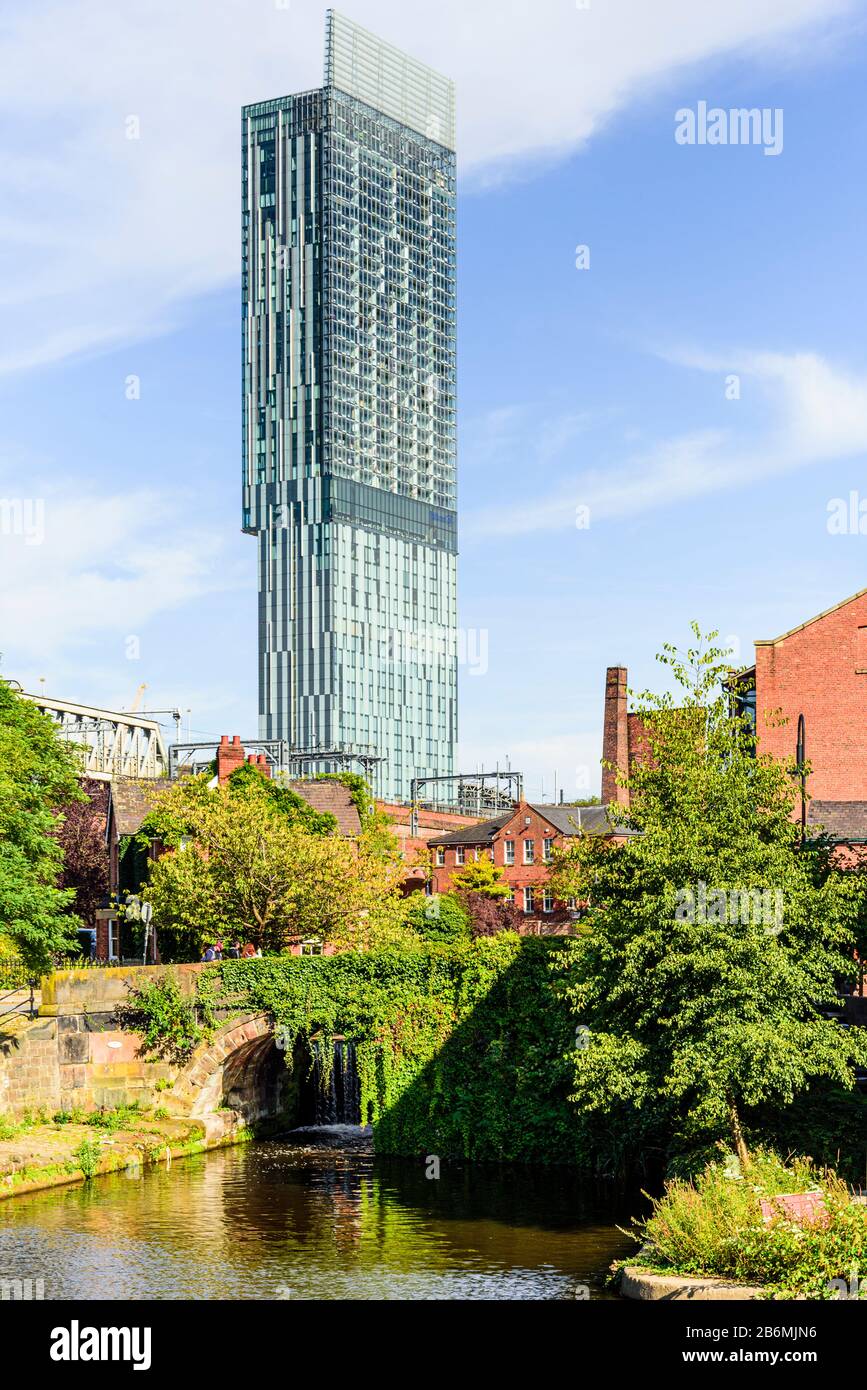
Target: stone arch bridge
72	1055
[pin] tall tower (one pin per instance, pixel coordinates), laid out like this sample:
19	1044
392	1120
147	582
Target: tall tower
349	408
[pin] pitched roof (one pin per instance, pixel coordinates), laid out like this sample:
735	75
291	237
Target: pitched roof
841	820
332	796
565	820
575	820
772	641
130	804
480	834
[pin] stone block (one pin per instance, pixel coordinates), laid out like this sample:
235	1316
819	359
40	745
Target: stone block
73	1047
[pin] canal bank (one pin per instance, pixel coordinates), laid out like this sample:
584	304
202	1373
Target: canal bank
42	1152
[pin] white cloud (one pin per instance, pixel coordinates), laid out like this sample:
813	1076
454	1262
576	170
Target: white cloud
817	412
103	566
111	236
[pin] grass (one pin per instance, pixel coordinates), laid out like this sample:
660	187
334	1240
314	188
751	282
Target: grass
121	1117
713	1226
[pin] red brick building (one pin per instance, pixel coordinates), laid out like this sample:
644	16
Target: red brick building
818	671
521	843
414	847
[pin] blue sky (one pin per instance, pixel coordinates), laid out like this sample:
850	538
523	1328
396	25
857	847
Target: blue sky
603	387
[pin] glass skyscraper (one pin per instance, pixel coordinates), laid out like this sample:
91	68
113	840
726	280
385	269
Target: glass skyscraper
349	408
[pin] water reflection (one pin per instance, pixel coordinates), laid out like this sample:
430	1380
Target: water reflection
287	1219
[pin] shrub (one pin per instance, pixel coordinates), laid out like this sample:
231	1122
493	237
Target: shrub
167	1021
439	917
86	1157
714	1226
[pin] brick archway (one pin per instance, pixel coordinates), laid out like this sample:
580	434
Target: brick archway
241	1068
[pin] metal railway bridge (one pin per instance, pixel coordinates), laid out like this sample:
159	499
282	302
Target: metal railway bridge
111	744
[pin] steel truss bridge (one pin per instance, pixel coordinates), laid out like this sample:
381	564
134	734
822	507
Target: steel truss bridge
110	744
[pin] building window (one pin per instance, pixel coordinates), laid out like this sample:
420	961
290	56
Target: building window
441	856
528	900
508	851
547	900
476	854
510	897
311	948
547	848
572	904
460	855
529	851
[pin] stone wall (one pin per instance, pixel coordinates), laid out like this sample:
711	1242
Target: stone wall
73	1057
29	1067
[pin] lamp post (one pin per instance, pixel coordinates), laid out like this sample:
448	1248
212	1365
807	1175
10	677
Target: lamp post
801	763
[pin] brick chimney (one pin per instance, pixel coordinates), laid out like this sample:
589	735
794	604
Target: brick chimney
615	735
229	757
263	765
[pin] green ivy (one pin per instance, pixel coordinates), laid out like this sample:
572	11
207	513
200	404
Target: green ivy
462	1049
171	1026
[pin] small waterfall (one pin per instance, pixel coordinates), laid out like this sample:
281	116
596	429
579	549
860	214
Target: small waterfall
336	1099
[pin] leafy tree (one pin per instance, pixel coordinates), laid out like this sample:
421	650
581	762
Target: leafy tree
484	896
491	915
237	866
713	940
81	835
438	917
38	774
481	876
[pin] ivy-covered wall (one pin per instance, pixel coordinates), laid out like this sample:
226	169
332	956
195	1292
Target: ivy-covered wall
462	1050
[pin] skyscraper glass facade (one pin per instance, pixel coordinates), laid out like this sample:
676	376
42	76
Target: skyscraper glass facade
349	408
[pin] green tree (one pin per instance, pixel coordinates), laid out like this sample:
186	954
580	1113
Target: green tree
238	866
38	774
438	917
481	876
712	941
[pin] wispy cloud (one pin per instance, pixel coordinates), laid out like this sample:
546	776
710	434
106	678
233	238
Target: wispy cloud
815	412
102	567
112	236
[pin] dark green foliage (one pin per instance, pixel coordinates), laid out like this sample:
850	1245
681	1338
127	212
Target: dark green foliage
827	1123
440	917
296	810
463	1050
170	1025
38	774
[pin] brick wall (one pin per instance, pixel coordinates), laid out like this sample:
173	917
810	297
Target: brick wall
525	824
819	670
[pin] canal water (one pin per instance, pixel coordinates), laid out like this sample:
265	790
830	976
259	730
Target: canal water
314	1216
